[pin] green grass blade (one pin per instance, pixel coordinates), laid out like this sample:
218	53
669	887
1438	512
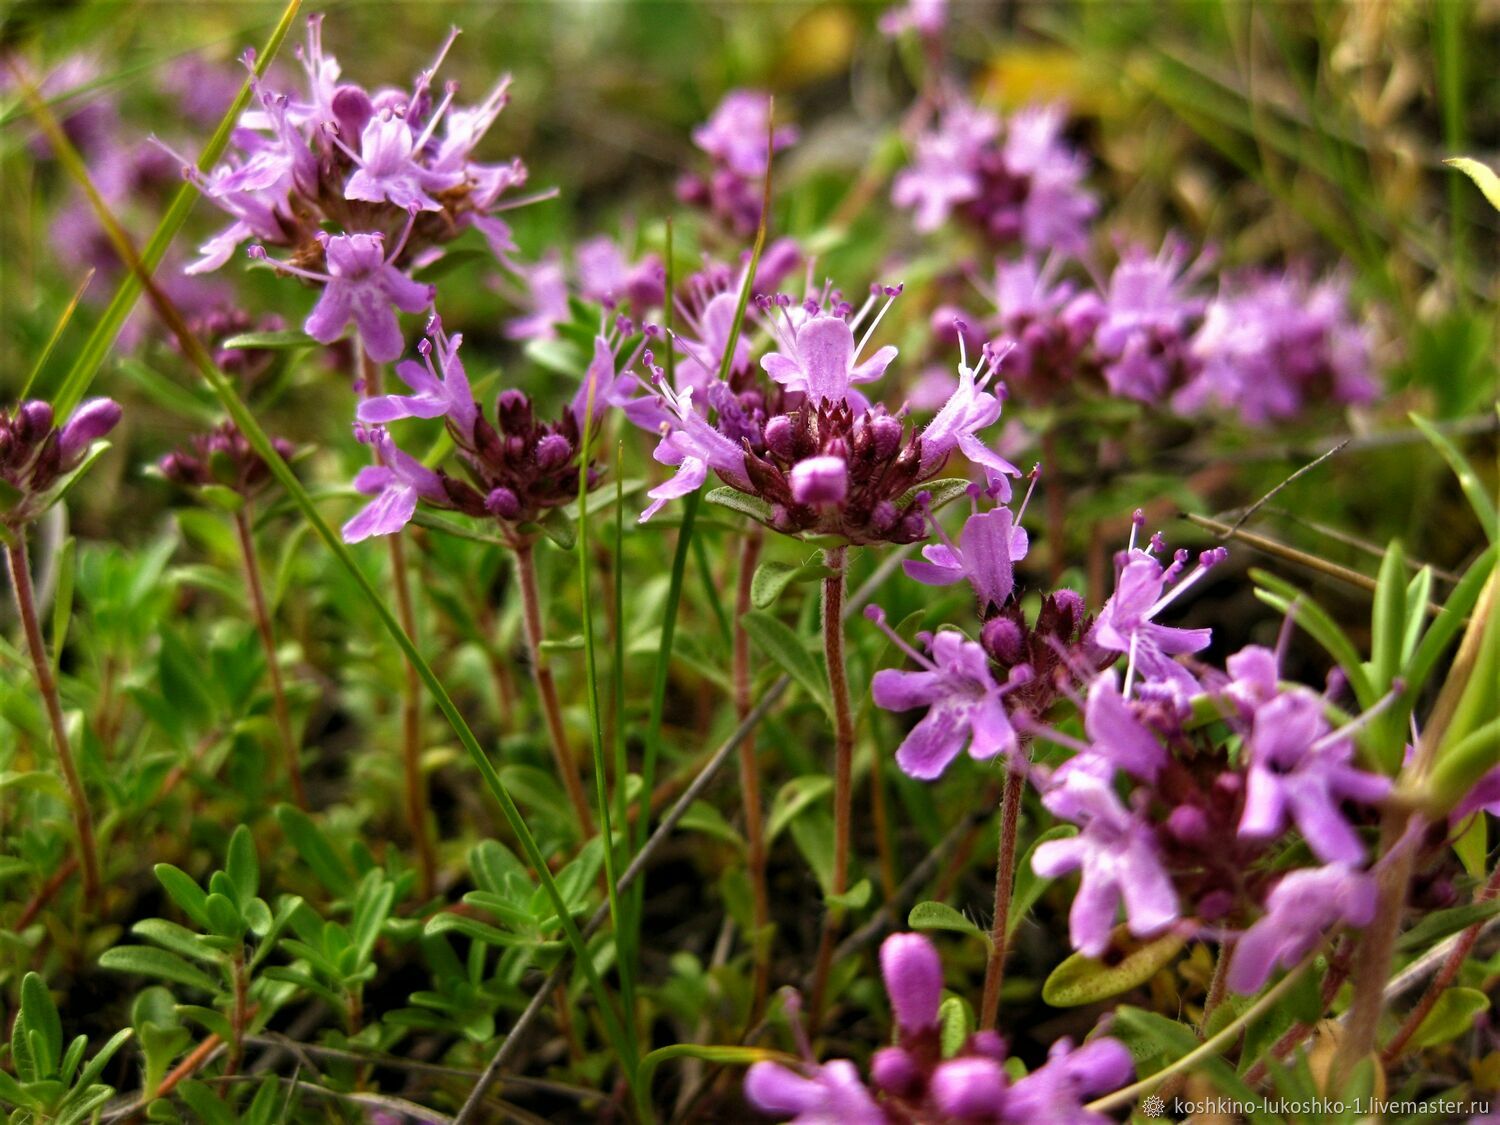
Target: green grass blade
1468	479
57	331
87	365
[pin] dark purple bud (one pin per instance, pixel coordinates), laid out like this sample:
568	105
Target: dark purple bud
969	1089
514	410
553	451
913	975
1003	640
1188	825
896	1072
1070	603
883	517
502	502
778	434
90	422
820	480
887	432
33	421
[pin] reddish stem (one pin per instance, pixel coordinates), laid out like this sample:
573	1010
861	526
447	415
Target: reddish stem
83	820
1005	878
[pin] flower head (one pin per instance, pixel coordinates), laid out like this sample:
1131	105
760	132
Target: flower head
37	456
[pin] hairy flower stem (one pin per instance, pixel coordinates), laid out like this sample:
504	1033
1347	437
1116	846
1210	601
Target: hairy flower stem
843	769
1372	964
411	696
1444	978
546	688
755	836
1005	881
262	614
238	1015
1218	985
83	820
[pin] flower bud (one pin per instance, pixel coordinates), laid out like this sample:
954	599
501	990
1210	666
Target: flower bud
887	433
33	421
1003	640
553	451
820	480
502	502
895	1072
90	422
778	432
913	976
969	1089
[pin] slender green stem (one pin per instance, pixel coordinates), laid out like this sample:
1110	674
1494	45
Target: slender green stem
835	558
596	727
755	833
261	611
83	819
1005	880
546	688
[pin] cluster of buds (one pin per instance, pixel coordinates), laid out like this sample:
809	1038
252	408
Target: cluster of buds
221	323
816	457
38	459
222	459
518	467
915	1080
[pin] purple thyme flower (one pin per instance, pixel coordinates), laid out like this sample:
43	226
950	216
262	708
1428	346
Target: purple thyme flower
606	276
1116	733
437	395
1272	344
36	456
694	447
913	975
830	1094
396	483
1049	324
1116	852
90	421
988	547
1300	910
1302	770
1054	1092
970	409
964	704
1026	187
361	285
298	159
545	296
1126	624
821	359
1143	333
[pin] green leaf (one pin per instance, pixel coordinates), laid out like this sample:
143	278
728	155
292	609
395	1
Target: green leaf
1287	598
1087	980
1481	174
188	895
62	598
315	850
1155	1042
785	647
101	1060
772	578
178	939
940	492
792	798
39	1017
1468	478
703	817
941	916
1441	923
955	1025
242	865
737	501
283	339
1388	624
1461	600
1451	1016
854	898
145	961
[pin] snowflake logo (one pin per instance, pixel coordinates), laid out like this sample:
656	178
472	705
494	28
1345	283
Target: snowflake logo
1154	1106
